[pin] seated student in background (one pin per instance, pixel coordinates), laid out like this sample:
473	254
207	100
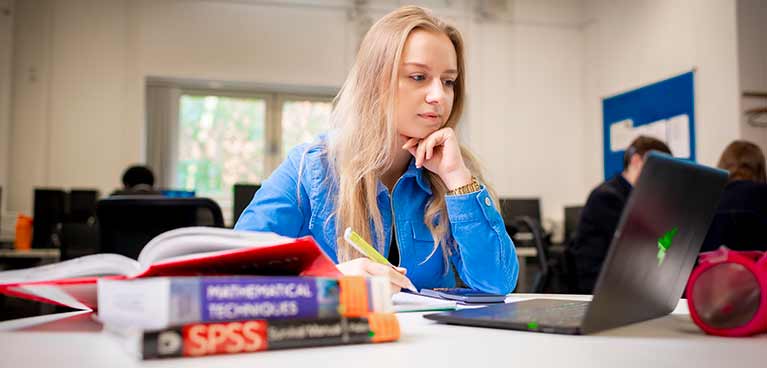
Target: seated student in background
137	180
740	221
602	211
393	169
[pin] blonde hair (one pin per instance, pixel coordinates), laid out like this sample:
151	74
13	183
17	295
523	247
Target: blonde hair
364	112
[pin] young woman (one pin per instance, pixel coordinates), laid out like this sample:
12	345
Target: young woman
393	169
741	217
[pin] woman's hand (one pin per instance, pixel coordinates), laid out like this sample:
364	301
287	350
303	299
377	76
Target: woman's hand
440	153
366	267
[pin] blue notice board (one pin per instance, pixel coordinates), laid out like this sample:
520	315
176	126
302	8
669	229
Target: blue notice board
664	110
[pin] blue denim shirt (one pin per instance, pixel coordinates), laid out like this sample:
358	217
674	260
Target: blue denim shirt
294	203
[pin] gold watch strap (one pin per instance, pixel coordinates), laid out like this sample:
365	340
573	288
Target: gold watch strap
466	189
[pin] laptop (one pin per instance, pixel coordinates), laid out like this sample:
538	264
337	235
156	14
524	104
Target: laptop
649	260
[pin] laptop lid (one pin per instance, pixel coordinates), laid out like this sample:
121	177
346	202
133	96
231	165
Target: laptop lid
656	242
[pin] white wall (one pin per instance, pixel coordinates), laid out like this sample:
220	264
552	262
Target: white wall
633	43
92	57
79	120
536	77
7	14
527	104
752	52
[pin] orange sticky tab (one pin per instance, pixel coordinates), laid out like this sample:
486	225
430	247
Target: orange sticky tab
385	327
354	296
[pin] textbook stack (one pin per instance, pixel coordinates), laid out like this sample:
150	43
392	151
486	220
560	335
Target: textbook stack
195	316
182	298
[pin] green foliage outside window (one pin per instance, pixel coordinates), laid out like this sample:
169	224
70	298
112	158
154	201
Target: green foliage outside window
221	142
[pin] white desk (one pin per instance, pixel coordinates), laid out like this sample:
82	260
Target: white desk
51	253
671	341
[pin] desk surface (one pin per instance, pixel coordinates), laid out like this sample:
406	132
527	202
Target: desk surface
671	341
30	253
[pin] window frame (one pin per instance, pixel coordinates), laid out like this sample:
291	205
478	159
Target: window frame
170	115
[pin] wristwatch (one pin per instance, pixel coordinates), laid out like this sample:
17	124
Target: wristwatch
466	189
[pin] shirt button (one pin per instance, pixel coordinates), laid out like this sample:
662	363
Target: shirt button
488	202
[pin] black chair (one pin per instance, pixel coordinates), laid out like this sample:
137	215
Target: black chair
76	231
79	239
564	272
572	217
522	218
541	279
50	208
243	194
82	205
127	223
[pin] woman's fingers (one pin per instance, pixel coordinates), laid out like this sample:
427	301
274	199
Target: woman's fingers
420	153
366	267
397	279
430	144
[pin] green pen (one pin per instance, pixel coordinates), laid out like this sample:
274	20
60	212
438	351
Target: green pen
358	243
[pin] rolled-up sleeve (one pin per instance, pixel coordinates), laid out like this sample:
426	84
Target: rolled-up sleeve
485	259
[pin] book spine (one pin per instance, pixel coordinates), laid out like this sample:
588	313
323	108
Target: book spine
154	303
200	339
274	298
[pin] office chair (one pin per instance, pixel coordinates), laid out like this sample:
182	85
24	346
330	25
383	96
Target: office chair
127	223
565	272
78	233
50	207
541	279
522	218
572	217
82	205
243	194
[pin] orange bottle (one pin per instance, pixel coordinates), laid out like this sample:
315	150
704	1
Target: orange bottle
23	233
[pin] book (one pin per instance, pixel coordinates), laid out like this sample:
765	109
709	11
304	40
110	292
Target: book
200	339
180	252
161	302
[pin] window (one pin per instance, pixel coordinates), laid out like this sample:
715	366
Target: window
228	138
302	120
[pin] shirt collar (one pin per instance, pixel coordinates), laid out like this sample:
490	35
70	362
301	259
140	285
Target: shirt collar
412	171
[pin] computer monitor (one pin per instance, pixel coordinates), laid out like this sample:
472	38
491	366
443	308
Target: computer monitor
50	207
178	193
516	207
82	204
243	194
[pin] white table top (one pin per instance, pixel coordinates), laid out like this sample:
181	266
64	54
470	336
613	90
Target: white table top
30	253
671	341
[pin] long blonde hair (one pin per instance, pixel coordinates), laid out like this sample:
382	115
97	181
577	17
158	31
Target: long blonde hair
363	114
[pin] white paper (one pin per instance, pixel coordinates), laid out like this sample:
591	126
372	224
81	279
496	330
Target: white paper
408	302
678	133
621	135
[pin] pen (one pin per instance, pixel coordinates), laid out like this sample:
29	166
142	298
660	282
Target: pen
358	243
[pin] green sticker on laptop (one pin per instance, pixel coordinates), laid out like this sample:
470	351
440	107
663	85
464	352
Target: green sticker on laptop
664	243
